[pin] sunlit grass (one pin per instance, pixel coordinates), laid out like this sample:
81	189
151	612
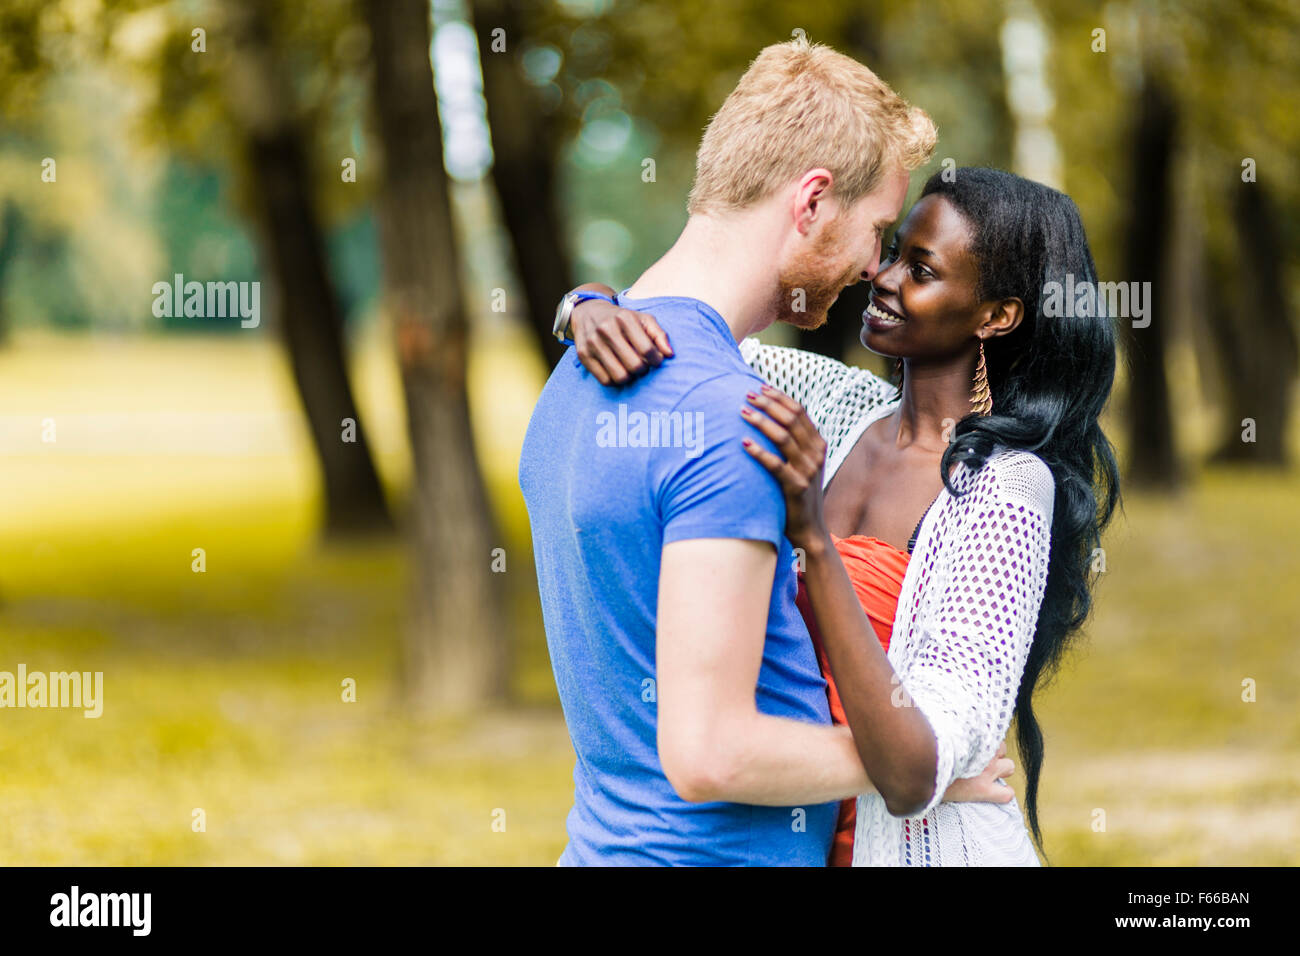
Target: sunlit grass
1147	721
223	689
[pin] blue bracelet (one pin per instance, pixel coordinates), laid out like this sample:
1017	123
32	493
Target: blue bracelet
565	312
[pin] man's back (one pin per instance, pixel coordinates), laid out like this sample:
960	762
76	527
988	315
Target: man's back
610	476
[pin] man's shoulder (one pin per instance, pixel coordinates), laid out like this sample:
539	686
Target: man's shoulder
715	385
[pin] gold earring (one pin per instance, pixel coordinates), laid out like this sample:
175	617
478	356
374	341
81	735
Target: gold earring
981	400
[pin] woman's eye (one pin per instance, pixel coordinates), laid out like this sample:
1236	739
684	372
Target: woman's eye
919	271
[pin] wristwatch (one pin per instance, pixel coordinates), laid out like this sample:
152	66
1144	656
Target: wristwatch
565	312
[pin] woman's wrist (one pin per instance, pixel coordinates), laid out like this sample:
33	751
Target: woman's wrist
817	545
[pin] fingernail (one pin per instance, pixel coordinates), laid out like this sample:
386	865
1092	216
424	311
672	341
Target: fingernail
746	442
751	396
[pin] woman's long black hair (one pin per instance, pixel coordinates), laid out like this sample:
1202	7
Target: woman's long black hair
1050	378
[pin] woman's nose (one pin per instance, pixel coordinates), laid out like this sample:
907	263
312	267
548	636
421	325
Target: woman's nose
884	278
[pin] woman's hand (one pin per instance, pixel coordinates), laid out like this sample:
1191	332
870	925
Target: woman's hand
799	472
613	343
985	788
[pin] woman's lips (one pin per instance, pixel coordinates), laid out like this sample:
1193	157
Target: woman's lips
880	319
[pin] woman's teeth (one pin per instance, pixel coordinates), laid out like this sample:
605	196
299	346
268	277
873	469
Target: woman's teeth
883	316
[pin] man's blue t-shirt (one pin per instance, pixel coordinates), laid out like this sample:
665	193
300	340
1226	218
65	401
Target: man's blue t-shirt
610	475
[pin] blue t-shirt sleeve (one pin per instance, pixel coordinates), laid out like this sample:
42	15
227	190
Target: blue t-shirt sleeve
714	488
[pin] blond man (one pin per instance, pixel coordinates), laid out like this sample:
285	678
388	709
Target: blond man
688	680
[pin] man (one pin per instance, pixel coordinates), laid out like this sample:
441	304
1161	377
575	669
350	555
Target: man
689	683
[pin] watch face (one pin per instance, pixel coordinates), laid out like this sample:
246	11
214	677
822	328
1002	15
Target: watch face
562	315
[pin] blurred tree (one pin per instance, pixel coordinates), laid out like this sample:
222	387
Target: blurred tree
10	226
1248	173
261	133
1152	460
33	220
525	147
1253	331
276	152
1239	113
455	651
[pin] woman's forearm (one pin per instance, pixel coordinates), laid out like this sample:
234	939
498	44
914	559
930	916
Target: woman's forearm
894	741
600	287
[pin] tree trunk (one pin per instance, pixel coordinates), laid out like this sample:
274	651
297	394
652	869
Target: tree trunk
9	235
524	171
293	248
1152	459
455	651
1256	341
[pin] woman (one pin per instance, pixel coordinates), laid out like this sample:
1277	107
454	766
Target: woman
965	505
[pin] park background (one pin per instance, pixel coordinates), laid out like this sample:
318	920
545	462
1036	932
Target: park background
414	186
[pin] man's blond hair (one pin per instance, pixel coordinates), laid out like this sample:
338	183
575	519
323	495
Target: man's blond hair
798	107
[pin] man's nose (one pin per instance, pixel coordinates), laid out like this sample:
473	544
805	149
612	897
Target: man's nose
882	280
870	271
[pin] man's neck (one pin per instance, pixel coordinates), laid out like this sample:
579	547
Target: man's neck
727	262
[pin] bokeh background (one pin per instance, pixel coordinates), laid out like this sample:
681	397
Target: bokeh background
188	510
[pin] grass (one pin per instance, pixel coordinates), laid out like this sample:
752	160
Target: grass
1147	720
223	690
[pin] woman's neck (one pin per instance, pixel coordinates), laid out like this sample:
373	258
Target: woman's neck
935	398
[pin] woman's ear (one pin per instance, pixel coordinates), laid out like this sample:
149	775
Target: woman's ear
1004	317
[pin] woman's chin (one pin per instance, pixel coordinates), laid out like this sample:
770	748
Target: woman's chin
878	342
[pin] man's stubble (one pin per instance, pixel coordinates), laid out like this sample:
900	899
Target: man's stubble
806	281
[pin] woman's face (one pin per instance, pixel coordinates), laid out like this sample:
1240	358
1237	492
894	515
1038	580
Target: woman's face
923	300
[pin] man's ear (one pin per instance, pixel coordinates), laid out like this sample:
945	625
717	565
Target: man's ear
812	189
1003	317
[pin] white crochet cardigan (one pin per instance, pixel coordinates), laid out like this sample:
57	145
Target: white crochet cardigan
966	617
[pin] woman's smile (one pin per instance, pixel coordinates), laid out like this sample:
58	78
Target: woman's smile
881	318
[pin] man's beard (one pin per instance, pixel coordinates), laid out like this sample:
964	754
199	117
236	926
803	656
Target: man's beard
806	291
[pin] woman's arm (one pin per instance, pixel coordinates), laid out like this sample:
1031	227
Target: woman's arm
616	344
613	343
965	674
895	742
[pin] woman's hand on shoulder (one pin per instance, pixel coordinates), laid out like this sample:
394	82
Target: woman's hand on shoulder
616	344
798	467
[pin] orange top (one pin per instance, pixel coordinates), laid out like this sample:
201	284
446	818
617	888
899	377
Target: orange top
876	570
